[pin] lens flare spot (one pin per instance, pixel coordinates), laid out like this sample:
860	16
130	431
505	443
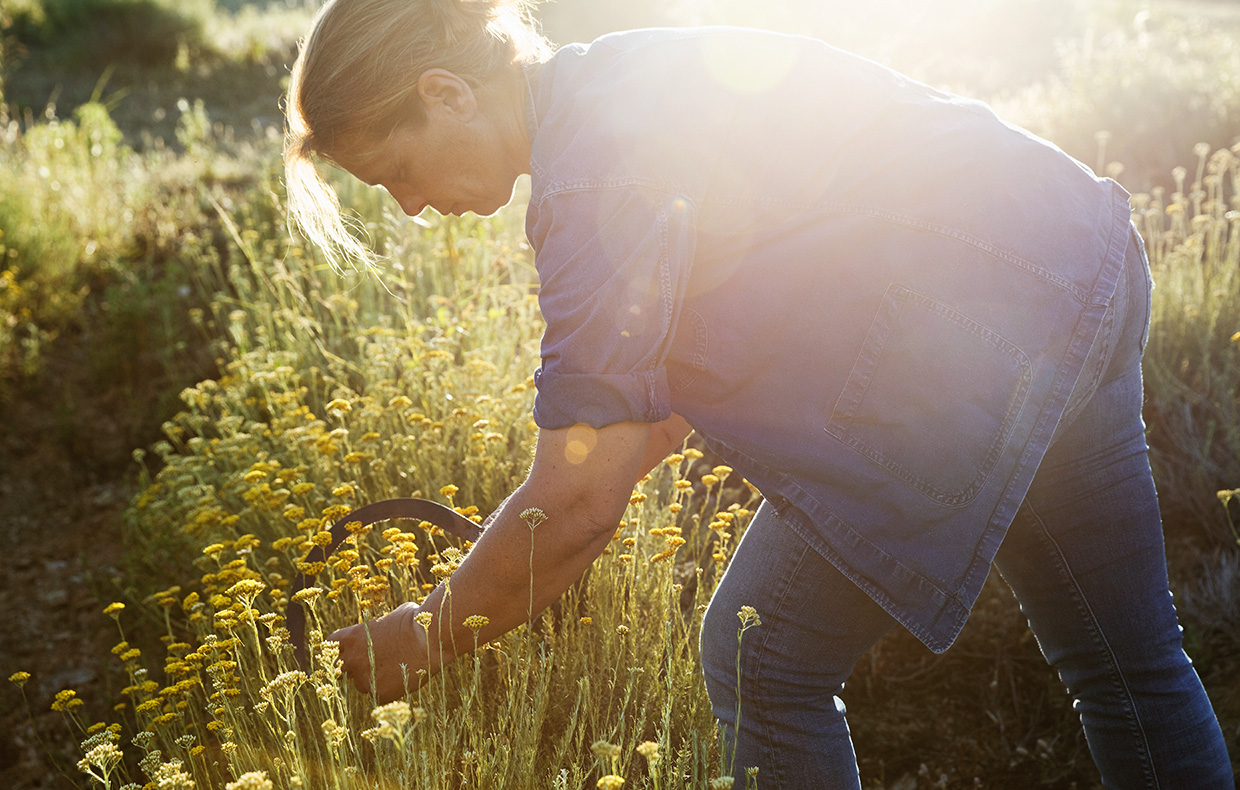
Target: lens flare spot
581	441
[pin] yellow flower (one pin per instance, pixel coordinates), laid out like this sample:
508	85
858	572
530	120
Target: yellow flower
344	491
449	491
114	608
339	407
102	755
336	512
254	780
311	568
605	750
610	782
749	617
150	706
19	678
649	750
476	621
395	714
710	480
587	620
424	619
309	524
66	700
246	587
334	733
325	445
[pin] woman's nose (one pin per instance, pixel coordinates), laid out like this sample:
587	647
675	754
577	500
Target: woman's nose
409	203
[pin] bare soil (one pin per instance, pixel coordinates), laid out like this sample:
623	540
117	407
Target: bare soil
65	476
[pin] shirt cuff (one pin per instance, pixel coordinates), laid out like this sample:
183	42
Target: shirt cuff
600	399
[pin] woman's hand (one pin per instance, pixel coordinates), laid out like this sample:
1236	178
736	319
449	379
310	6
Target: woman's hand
398	645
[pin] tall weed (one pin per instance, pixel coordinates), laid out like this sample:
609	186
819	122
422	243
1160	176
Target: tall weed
1192	363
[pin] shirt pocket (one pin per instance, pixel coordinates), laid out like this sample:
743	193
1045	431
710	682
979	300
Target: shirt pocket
933	397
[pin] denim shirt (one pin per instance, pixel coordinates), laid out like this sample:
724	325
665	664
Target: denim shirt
871	297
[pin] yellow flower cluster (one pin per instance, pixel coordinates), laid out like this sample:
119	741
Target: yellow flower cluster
252	478
66	700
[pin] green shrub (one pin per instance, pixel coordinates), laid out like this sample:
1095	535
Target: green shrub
92	236
1156	90
98	33
64	200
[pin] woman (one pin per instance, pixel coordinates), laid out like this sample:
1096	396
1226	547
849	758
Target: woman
916	329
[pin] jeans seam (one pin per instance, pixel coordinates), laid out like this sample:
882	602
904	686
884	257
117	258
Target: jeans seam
1099	639
767	735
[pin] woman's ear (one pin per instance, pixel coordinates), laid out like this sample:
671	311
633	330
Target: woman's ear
442	91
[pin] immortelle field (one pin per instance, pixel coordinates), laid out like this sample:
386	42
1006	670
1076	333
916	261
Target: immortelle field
144	228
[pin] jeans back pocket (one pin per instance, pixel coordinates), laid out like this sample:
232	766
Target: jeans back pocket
932	398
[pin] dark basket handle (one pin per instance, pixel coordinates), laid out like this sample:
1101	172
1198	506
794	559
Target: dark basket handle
440	516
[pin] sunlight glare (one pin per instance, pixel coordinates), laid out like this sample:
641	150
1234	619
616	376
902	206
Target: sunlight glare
747	65
581	441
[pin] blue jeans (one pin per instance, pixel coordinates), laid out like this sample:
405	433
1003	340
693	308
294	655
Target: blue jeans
1085	558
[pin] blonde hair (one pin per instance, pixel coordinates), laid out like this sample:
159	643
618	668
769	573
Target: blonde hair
356	76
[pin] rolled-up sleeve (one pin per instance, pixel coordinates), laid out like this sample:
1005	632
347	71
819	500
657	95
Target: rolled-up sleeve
613	264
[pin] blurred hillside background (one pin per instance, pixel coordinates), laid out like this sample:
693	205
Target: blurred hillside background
1158	75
